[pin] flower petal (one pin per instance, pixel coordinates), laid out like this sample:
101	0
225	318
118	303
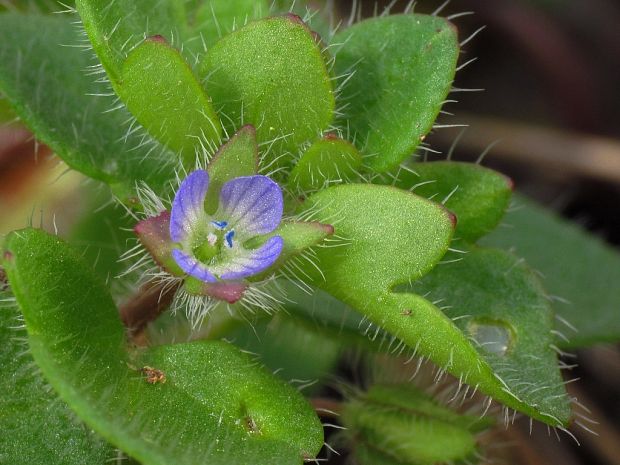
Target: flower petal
249	262
188	205
192	266
251	204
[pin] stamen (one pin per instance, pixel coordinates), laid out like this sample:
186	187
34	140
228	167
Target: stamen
220	224
228	237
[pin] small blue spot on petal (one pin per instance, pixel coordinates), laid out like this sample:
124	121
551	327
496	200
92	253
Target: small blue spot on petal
228	237
220	224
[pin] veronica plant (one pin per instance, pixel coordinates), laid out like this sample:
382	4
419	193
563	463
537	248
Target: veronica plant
270	197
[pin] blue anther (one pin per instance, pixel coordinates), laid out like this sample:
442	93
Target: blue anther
228	237
220	224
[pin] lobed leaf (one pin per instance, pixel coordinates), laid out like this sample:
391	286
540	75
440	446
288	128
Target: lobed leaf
581	270
396	72
185	403
271	74
391	237
48	79
500	305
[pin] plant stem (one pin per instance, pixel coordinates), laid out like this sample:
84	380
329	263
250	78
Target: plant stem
150	301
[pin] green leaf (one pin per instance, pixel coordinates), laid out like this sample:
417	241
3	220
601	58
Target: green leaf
580	269
215	405
478	196
214	19
408	398
103	235
161	91
271	74
390	237
116	28
238	157
326	161
35	426
293	348
499	303
50	89
403	67
400	424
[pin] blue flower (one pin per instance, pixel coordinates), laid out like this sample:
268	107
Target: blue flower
212	248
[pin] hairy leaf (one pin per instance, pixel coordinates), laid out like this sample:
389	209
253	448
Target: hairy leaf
271	74
579	270
400	424
391	237
48	80
185	403
161	91
396	72
499	303
103	235
35	426
213	19
327	161
116	28
477	196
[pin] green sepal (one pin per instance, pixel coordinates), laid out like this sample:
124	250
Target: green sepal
233	411
297	236
401	424
271	74
478	196
238	157
403	67
160	90
327	161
